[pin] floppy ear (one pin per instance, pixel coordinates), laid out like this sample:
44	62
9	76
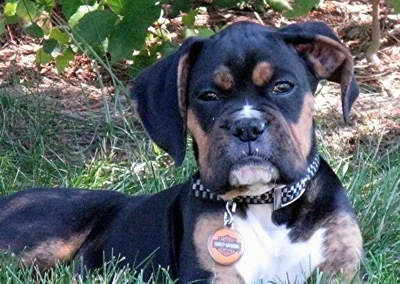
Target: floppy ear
329	58
159	94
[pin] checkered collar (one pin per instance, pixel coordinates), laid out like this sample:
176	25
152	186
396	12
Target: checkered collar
280	196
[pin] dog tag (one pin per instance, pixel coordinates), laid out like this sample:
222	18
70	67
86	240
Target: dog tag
225	246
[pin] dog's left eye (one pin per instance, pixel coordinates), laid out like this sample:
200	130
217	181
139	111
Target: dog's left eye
209	97
282	88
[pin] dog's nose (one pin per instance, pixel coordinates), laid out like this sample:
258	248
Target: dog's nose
247	129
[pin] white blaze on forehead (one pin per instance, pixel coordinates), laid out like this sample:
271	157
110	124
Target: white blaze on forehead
248	111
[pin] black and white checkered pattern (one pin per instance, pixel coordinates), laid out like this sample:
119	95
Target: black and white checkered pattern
286	194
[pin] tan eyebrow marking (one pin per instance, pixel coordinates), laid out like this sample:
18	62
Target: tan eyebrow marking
223	78
262	73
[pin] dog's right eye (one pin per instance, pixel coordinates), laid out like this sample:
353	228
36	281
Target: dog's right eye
209	97
282	88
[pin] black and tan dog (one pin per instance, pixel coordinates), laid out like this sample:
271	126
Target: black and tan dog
263	206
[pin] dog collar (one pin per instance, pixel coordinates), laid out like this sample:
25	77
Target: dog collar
280	196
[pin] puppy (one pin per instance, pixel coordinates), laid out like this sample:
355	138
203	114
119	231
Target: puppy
263	205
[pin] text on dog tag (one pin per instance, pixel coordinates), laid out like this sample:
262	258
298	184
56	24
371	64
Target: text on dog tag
225	246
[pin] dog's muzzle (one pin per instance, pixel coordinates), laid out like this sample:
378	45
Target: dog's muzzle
280	196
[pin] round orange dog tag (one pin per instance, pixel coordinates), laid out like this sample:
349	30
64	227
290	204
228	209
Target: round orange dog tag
225	246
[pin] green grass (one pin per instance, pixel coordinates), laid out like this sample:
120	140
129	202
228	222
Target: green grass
42	146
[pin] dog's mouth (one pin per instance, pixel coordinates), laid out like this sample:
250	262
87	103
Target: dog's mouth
251	176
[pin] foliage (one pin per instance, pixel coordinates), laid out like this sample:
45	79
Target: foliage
116	29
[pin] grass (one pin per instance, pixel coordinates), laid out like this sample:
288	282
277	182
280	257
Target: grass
42	146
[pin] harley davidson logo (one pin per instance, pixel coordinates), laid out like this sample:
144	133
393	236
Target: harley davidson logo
226	245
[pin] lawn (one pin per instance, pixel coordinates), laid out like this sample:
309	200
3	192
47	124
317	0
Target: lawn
42	144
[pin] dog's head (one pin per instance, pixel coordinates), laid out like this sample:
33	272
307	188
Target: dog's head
246	97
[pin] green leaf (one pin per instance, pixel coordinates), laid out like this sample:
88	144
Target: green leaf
179	6
189	19
10	12
226	3
130	33
94	28
2	27
279	5
70	7
10	9
82	11
117	6
48	5
186	33
64	60
205	32
27	10
42	57
167	48
52	47
58	34
302	8
396	5
33	30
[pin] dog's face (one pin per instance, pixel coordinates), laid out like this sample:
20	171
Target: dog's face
246	96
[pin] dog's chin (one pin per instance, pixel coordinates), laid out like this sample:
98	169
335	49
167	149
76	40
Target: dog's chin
251	178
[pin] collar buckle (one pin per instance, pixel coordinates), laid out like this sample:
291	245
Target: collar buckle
278	197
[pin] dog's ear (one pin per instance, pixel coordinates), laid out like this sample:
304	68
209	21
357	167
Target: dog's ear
329	58
159	95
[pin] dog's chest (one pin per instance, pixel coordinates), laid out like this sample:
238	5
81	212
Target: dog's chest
270	255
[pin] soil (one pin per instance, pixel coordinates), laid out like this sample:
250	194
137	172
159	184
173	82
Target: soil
374	117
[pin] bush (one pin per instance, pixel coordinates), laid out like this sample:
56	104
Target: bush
113	29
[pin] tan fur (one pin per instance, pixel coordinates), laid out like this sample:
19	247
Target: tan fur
51	251
183	73
303	128
262	73
203	143
223	78
326	55
205	226
343	245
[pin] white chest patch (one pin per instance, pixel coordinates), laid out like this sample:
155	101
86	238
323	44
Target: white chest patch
270	255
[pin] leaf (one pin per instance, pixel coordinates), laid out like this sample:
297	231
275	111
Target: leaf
117	6
205	32
396	5
58	34
302	8
189	19
48	5
52	47
33	30
64	60
2	27
12	20
70	7
226	3
10	9
186	33
279	5
27	11
42	57
94	28
130	33
179	6
80	12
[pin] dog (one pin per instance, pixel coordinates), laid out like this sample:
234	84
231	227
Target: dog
263	205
